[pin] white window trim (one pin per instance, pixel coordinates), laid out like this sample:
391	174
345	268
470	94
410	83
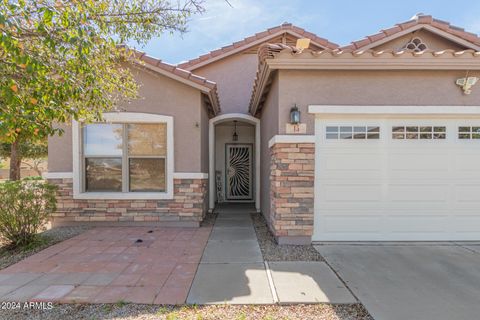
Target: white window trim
394	110
123	117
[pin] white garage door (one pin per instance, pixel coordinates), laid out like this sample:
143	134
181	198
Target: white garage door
397	180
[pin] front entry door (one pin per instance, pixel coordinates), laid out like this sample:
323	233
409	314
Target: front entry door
238	166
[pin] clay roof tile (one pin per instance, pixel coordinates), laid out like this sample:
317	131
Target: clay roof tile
258	36
377	36
209	86
425	19
419	19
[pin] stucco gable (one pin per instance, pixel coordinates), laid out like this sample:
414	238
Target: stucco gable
207	87
285	33
441	33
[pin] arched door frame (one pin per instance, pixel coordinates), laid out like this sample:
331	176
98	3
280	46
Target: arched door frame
211	142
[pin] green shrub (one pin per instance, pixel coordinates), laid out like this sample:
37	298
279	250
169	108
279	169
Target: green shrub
25	206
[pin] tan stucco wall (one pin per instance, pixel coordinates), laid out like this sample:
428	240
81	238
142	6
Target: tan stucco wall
160	95
268	128
366	88
60	151
234	76
204	137
433	41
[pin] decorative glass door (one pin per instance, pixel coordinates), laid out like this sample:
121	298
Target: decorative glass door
238	166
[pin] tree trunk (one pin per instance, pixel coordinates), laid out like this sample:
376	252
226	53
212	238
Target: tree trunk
15	161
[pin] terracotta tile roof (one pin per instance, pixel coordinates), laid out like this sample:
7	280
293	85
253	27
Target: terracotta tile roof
249	41
271	51
419	19
281	51
209	87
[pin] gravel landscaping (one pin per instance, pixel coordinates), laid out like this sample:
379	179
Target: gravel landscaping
221	312
9	256
272	251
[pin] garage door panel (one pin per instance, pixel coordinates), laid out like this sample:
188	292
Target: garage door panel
467	164
415	224
358	176
417	193
468	193
415	209
351	162
465	224
412	162
350	192
336	223
397	189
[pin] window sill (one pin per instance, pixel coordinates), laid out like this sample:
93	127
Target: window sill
123	196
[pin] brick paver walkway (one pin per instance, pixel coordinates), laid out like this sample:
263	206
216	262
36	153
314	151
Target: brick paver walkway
108	265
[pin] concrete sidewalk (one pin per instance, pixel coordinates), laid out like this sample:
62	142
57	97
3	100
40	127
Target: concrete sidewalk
232	270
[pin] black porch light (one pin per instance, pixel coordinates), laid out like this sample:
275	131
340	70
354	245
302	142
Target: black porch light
294	115
235	134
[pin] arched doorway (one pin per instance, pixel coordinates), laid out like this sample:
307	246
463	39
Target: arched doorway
234	165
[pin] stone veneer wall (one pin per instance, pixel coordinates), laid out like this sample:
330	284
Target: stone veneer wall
292	192
187	208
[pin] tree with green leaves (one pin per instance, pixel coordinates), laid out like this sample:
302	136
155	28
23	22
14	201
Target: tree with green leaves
61	60
31	153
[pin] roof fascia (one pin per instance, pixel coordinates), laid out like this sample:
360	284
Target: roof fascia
374	63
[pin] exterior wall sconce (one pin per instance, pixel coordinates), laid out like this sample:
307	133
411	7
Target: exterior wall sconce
294	115
235	134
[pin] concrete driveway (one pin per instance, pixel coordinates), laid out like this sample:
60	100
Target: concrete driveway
422	281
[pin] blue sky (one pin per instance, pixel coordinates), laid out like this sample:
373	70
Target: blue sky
338	21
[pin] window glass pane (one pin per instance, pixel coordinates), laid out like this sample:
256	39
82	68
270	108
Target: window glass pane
102	139
464	135
440	129
103	174
332	136
373	129
426	129
412	135
147	139
345	136
147	175
398	135
359	136
359	129
412	129
464	129
332	129
476	129
439	136
426	136
373	136
475	135
398	129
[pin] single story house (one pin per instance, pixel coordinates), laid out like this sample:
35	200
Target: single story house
378	140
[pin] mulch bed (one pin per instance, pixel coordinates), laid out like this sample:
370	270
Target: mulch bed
220	312
9	255
272	251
